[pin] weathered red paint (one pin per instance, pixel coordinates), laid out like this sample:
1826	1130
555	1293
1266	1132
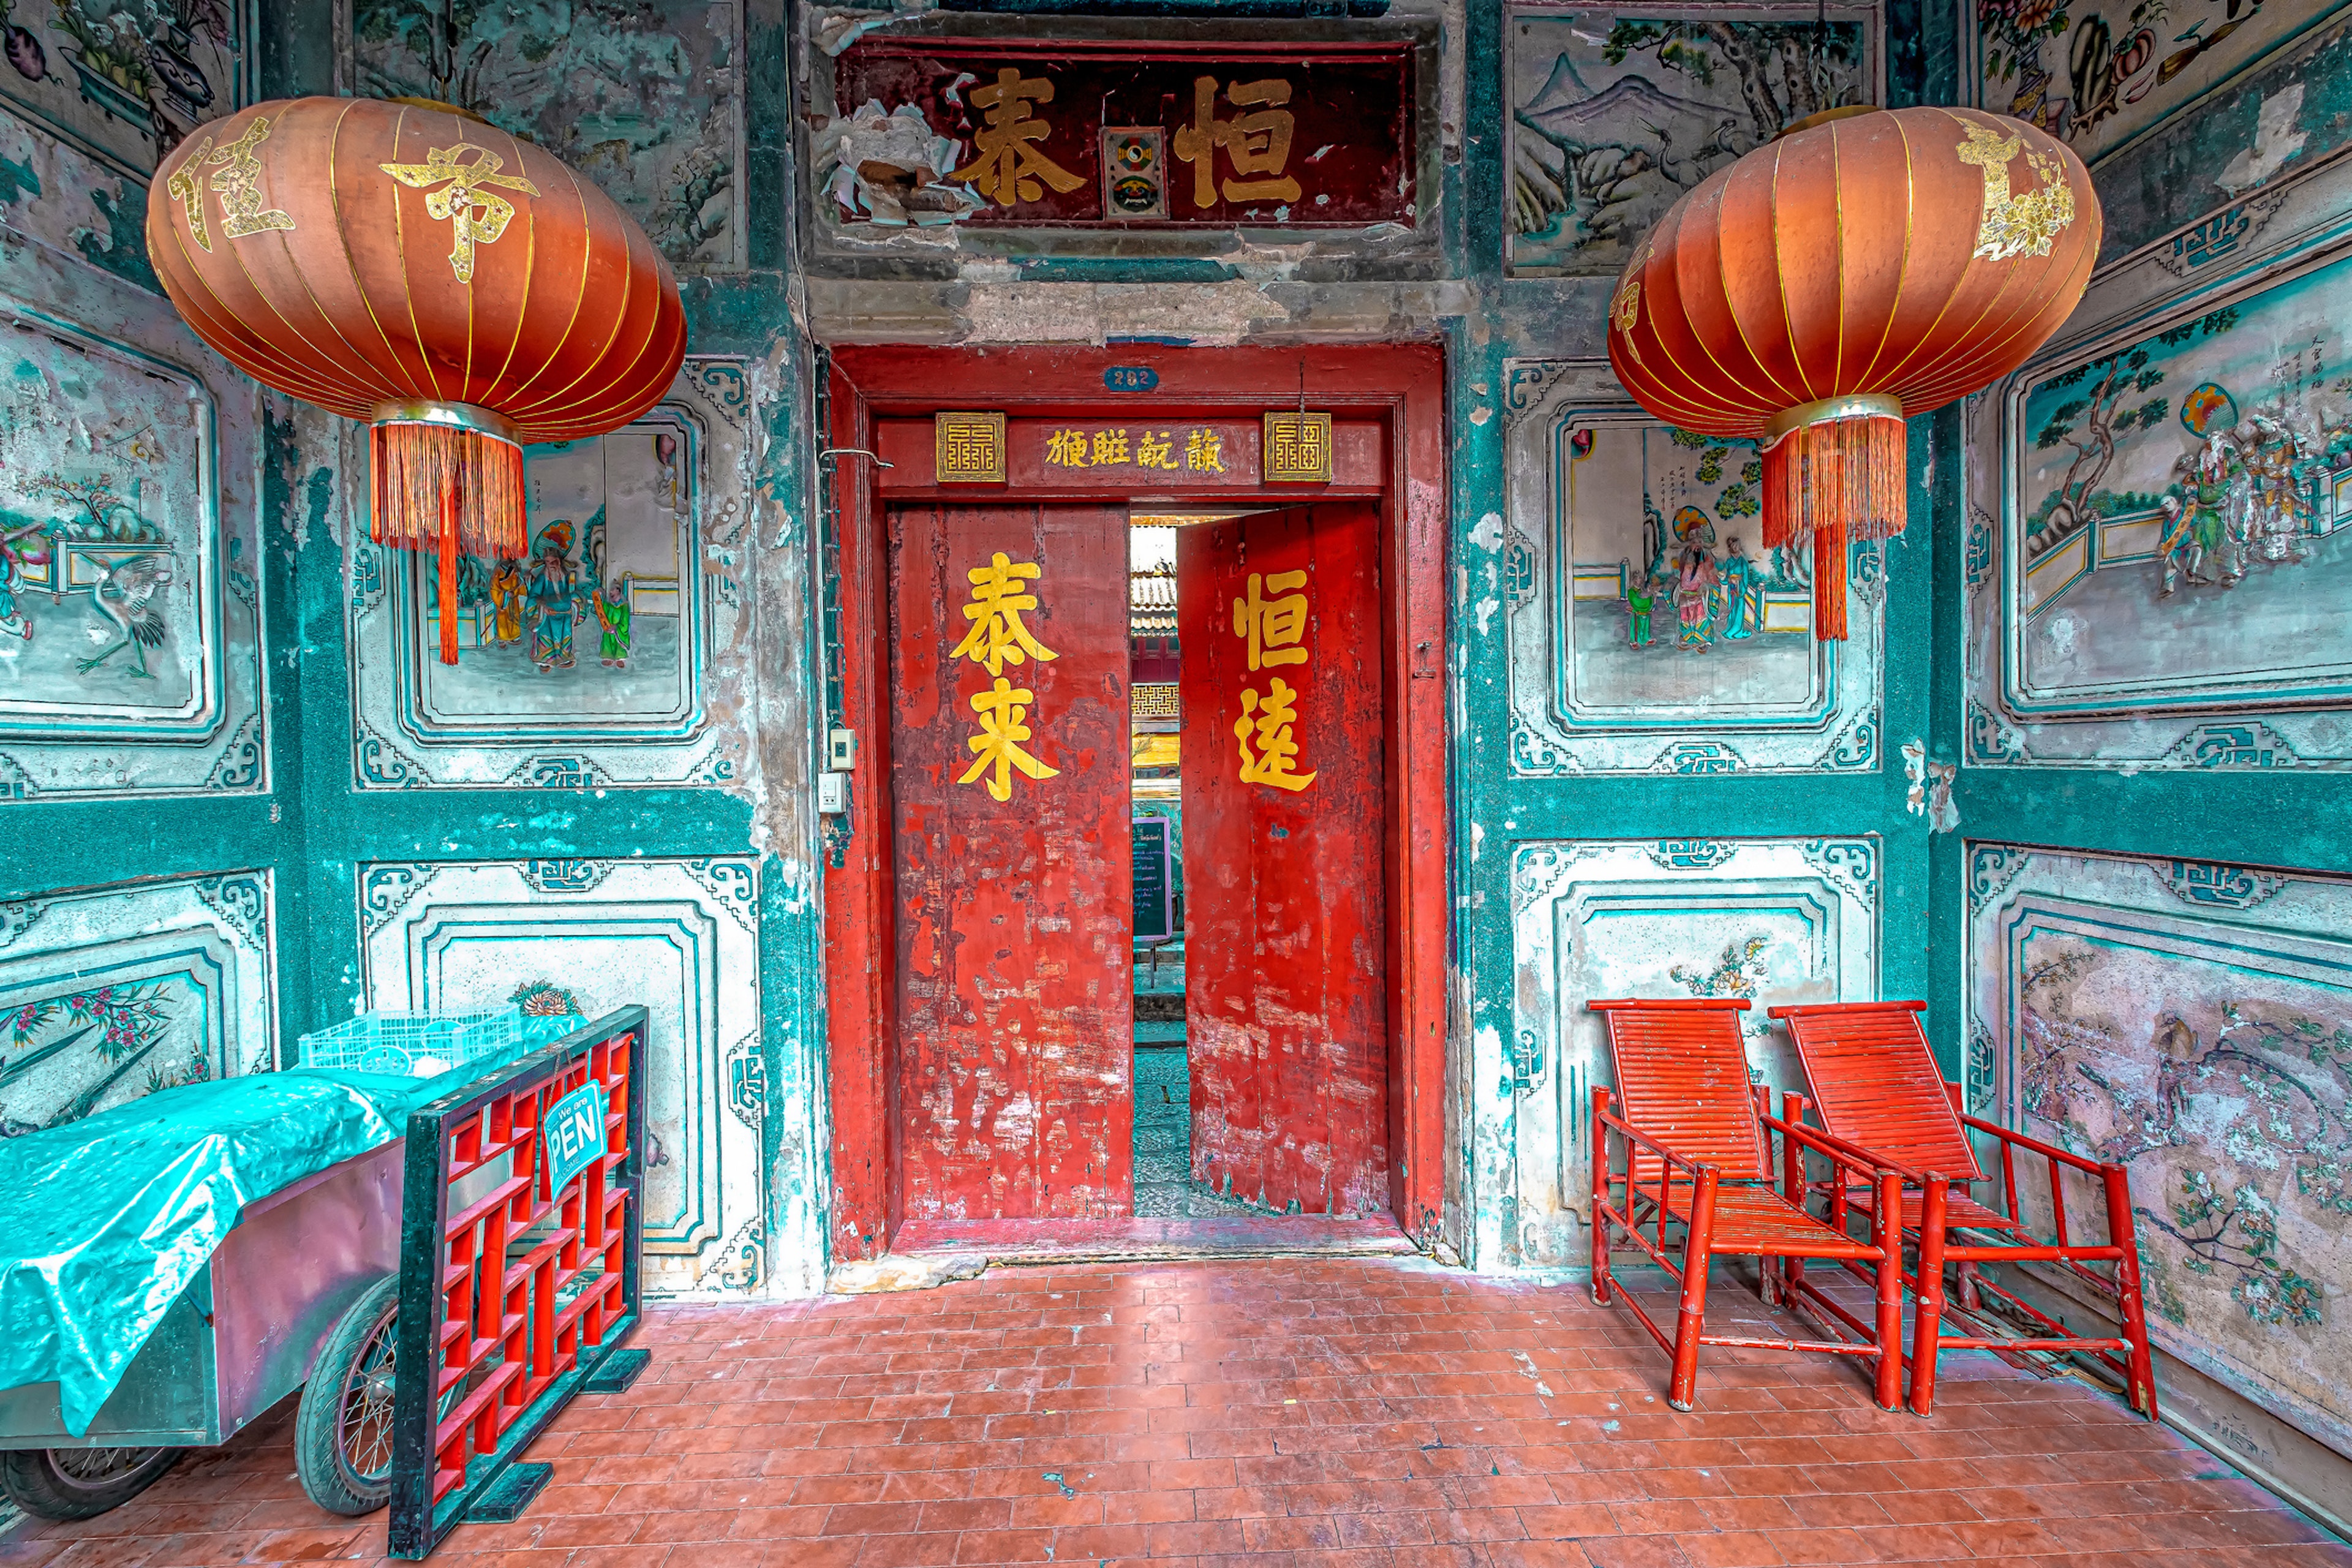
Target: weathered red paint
1400	384
1015	976
1286	960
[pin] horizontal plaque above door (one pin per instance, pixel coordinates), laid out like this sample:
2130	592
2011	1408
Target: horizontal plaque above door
1169	136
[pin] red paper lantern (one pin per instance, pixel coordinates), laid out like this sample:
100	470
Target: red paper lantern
1868	265
409	265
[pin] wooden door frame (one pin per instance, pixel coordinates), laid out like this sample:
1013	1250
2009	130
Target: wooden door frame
1400	384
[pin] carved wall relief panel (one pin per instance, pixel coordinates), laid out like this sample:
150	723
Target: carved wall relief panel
679	936
600	656
1650	631
2193	1021
1775	921
109	994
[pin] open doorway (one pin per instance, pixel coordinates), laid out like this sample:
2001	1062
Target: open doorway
1208	875
1164	1188
1258	787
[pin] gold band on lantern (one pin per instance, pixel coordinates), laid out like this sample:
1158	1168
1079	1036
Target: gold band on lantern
457	416
1853	405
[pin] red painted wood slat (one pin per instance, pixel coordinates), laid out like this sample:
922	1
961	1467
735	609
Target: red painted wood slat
1875	1084
1682	1079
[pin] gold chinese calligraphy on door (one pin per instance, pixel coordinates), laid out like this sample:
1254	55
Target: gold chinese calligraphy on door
1284	841
1009	783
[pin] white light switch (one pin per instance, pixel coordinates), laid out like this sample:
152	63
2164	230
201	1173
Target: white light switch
833	794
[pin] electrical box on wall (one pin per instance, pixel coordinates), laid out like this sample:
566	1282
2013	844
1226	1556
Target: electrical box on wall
832	793
840	750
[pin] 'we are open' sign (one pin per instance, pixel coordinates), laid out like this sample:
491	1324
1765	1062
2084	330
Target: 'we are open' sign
574	1134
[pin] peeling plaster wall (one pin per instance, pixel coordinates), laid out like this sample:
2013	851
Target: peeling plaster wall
595	809
718	825
143	884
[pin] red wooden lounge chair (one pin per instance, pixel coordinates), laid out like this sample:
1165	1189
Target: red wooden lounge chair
1876	1089
1697	1149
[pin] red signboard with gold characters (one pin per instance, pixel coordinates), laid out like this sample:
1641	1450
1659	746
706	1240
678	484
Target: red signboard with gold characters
1072	133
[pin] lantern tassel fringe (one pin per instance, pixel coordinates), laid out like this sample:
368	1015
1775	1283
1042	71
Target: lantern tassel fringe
1830	483
451	491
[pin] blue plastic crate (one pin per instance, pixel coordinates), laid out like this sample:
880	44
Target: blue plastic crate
426	1045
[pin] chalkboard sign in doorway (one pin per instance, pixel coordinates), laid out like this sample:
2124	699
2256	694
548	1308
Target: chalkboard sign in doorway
1154	910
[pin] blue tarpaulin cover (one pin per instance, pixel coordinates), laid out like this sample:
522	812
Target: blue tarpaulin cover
104	1222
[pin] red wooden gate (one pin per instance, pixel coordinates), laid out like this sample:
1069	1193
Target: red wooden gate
1009	736
1286	947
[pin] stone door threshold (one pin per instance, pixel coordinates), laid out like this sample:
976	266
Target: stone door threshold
931	1252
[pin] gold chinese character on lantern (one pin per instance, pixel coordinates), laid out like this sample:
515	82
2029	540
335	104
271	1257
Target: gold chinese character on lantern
1269	744
1006	165
969	448
1299	449
1276	628
998	636
997	748
1256	144
1203	451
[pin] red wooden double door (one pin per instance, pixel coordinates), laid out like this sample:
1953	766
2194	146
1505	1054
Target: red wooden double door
1011	779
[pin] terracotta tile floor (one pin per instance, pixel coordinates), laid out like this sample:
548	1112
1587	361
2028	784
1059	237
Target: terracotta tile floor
1272	1412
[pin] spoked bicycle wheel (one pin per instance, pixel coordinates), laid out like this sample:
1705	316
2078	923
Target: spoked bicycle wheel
343	1436
79	1483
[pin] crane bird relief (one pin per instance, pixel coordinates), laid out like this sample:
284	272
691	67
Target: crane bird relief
1615	115
108	537
2223	1090
2194	484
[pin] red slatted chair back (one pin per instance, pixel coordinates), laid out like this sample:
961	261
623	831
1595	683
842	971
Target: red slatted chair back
1875	1083
1682	1079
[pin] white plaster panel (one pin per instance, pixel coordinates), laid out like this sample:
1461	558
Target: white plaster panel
1776	921
680	937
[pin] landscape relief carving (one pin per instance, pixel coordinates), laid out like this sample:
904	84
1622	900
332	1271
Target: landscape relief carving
1616	112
